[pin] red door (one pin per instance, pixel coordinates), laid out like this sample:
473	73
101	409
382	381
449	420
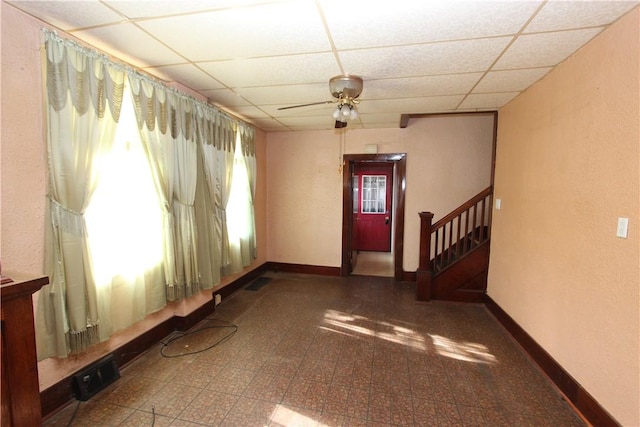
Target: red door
372	214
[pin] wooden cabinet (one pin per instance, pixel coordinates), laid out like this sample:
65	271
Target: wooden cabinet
20	387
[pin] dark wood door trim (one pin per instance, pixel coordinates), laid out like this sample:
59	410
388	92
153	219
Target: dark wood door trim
399	161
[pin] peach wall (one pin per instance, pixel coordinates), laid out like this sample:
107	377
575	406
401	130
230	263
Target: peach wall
23	165
567	167
448	162
23	181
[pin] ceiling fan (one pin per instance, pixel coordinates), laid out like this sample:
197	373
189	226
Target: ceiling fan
345	89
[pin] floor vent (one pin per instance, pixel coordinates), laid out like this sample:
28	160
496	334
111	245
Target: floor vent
94	378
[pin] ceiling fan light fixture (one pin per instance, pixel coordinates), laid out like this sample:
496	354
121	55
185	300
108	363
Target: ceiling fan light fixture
345	86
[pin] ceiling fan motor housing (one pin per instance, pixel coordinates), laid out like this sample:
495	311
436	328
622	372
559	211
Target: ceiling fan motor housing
345	86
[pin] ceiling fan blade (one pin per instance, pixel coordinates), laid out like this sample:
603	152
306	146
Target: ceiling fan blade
306	105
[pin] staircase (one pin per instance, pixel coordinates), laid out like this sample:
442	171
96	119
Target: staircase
454	252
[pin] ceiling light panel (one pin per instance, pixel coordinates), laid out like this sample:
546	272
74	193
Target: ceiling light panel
258	31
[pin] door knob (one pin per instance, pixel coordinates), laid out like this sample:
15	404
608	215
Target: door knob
386	220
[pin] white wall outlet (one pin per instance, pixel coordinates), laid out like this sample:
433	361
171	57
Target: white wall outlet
218	299
498	204
623	227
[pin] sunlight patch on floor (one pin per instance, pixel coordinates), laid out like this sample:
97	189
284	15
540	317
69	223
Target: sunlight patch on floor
359	325
465	351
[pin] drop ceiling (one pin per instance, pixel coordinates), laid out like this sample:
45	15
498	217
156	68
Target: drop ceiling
251	57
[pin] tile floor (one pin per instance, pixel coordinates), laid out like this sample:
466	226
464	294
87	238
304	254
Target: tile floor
323	351
374	264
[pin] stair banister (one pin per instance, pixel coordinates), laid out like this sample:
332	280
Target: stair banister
448	249
424	273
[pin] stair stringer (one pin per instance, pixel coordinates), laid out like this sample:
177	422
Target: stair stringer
465	279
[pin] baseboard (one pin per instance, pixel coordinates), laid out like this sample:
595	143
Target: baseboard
581	400
304	269
60	394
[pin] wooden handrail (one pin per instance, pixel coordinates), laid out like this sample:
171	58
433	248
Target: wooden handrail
463	207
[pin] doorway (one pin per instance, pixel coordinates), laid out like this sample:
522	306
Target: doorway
373	210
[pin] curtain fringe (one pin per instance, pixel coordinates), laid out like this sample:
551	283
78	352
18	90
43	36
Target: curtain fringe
81	340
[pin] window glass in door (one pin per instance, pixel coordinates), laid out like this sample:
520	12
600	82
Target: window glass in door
374	196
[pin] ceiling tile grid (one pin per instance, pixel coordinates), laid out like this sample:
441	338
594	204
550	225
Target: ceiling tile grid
253	57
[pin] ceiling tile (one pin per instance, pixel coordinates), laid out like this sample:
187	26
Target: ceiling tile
308	111
486	101
381	125
410	22
269	125
156	8
510	80
562	15
287	94
66	15
543	50
224	97
318	122
187	74
411	105
371	119
421	60
258	31
116	40
407	87
293	69
250	111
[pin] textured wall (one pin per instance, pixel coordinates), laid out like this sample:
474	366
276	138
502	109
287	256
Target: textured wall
23	145
448	162
567	167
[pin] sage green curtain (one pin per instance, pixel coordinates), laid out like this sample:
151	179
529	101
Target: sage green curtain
248	141
83	101
154	115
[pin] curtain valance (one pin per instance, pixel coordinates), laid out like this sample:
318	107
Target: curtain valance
96	82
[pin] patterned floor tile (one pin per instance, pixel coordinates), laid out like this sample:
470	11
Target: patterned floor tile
326	351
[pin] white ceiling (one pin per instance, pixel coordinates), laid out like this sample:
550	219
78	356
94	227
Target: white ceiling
251	57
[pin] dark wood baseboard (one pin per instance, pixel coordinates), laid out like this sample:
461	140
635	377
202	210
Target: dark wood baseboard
304	269
60	394
581	400
409	276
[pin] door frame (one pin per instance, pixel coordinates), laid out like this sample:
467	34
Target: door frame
399	161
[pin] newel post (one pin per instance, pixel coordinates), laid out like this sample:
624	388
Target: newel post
424	273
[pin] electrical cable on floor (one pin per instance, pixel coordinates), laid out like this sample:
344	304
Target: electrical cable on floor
153	415
73	416
180	335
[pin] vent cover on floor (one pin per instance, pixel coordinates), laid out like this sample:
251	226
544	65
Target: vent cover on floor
94	378
258	283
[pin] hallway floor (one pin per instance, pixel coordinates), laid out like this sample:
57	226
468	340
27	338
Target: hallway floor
326	351
374	264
